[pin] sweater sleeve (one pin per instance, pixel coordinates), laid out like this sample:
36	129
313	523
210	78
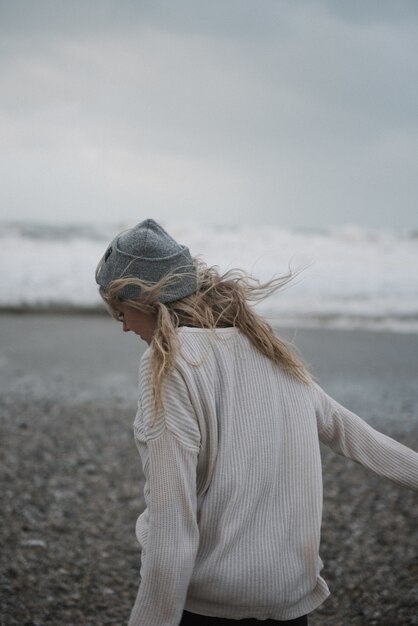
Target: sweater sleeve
169	446
348	435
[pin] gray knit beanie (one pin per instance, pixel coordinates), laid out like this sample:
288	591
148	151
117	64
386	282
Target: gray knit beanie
147	252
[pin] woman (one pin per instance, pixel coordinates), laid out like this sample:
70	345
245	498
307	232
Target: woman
228	429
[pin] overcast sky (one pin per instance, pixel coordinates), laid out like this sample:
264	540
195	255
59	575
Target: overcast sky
296	113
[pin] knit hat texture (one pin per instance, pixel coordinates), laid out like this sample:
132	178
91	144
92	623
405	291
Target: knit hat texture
147	252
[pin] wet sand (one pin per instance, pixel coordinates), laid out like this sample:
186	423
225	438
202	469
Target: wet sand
71	478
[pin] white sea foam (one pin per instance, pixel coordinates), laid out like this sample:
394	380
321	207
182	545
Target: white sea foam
351	277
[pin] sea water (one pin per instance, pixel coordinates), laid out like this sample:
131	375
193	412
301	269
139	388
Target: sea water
345	277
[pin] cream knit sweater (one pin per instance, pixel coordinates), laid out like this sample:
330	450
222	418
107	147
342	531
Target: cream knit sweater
233	483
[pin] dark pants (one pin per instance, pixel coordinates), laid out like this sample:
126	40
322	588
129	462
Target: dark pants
192	619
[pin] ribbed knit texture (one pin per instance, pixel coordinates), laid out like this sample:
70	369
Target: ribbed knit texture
148	252
233	483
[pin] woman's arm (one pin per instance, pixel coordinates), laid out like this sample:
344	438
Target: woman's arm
170	445
347	434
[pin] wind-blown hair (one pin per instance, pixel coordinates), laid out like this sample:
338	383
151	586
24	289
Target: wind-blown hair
222	300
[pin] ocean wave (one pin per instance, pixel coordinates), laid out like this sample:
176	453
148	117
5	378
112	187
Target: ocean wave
348	276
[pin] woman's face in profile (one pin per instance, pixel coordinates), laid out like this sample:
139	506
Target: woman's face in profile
142	324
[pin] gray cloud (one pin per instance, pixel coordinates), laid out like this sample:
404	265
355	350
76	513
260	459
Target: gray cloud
297	113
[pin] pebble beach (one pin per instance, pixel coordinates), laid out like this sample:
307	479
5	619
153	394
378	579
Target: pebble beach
71	479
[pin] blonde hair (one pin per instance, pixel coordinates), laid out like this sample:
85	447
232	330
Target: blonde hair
222	300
